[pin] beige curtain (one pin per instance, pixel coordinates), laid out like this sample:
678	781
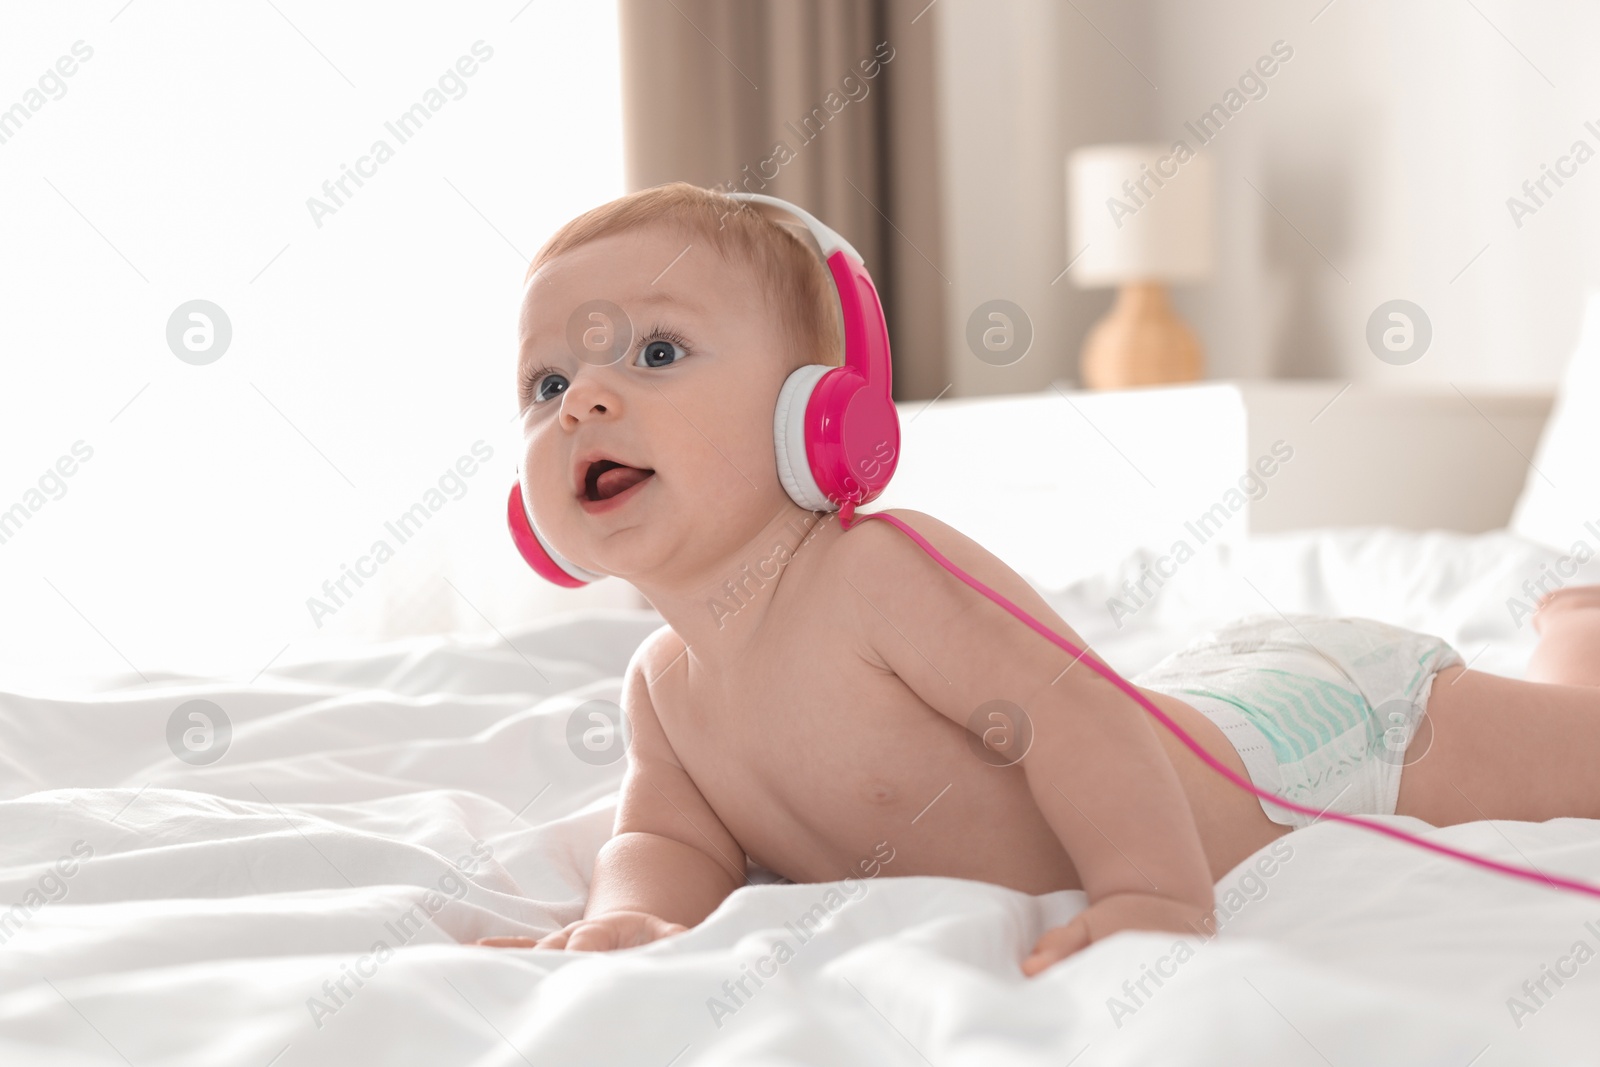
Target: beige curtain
826	103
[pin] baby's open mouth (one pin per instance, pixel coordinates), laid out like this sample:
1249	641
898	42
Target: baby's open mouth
607	478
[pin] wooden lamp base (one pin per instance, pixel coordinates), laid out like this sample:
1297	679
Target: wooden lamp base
1141	341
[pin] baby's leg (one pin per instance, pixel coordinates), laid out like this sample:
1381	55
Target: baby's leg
1568	624
1492	747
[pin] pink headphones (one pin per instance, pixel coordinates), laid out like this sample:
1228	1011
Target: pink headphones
836	429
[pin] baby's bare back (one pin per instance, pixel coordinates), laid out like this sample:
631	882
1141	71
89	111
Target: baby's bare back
819	759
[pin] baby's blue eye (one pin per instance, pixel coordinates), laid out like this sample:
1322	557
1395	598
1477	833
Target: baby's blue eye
660	353
543	393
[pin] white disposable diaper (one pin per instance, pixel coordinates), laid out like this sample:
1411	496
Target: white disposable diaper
1321	710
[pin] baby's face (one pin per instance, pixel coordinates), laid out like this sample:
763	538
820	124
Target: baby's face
690	399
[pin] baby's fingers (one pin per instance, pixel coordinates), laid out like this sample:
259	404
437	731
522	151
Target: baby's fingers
602	934
587	937
507	942
558	939
1056	944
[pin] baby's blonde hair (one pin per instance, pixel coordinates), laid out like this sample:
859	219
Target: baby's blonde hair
794	283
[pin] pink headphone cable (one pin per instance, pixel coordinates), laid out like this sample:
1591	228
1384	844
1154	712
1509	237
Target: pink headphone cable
848	518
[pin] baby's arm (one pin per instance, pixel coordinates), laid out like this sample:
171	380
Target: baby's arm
1096	768
670	860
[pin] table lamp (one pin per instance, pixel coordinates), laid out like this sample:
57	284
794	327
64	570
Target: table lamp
1139	216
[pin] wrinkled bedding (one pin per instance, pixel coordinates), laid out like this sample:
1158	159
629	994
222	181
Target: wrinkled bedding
306	897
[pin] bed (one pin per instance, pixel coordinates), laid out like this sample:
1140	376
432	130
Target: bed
308	894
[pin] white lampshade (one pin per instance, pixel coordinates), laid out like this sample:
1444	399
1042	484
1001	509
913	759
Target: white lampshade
1144	213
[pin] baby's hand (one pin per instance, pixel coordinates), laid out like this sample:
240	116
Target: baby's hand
1120	911
613	930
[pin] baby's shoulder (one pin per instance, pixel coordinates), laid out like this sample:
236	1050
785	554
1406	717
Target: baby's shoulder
876	547
655	658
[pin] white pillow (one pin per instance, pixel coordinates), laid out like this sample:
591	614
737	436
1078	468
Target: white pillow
1560	501
1060	484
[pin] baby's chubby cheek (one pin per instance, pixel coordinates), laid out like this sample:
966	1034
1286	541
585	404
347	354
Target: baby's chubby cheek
702	483
717	444
546	492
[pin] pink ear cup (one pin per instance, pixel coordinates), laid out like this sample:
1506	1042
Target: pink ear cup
546	561
851	426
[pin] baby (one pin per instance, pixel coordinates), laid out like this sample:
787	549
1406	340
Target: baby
857	697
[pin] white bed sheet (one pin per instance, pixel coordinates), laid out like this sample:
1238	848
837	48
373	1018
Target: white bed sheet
219	899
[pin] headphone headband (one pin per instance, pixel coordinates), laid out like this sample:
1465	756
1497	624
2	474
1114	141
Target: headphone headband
827	239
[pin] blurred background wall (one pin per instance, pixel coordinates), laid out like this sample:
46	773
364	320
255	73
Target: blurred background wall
1377	165
372	343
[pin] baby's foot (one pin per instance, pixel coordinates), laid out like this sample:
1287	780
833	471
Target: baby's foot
1568	624
1565	599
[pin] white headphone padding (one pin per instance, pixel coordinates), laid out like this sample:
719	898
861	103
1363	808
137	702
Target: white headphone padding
789	435
582	574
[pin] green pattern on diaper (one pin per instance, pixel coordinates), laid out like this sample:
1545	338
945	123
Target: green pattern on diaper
1422	667
1297	714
